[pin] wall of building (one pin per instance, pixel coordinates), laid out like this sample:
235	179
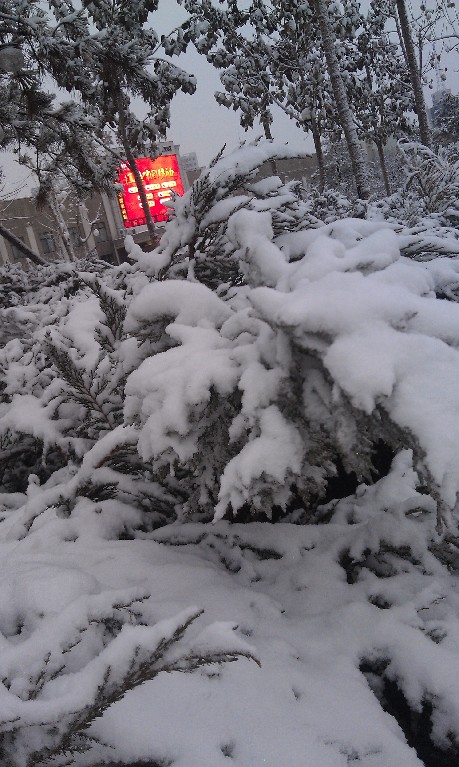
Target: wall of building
291	169
93	229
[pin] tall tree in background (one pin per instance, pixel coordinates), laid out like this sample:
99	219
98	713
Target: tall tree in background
300	75
409	51
382	97
244	64
341	99
278	64
214	26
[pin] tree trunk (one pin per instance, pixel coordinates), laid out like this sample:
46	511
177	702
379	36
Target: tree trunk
415	74
62	227
28	253
268	135
382	162
134	169
319	153
342	102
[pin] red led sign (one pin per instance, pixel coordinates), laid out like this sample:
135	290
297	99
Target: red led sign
161	178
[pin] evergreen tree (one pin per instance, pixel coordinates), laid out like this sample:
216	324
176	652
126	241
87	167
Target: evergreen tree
50	138
107	54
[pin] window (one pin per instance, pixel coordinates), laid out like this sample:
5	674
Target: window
47	242
75	238
18	255
100	232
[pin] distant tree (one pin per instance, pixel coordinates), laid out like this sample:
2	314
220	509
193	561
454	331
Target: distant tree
400	12
300	75
445	114
278	64
245	66
382	96
343	107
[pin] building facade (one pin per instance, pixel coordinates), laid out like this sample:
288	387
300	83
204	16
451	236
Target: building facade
94	229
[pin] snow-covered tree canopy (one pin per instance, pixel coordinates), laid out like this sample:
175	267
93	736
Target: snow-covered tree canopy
329	66
32	122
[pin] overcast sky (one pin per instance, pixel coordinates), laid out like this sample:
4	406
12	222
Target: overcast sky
198	123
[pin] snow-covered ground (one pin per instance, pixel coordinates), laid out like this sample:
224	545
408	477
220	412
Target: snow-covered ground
282	587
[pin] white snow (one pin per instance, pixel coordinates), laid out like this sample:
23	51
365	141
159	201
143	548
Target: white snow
307	626
187	303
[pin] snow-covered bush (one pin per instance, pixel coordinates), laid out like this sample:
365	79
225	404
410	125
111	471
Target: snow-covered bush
29	301
212	391
198	244
430	189
63	395
71	647
259	363
330	205
435	179
335	343
266	394
423	210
